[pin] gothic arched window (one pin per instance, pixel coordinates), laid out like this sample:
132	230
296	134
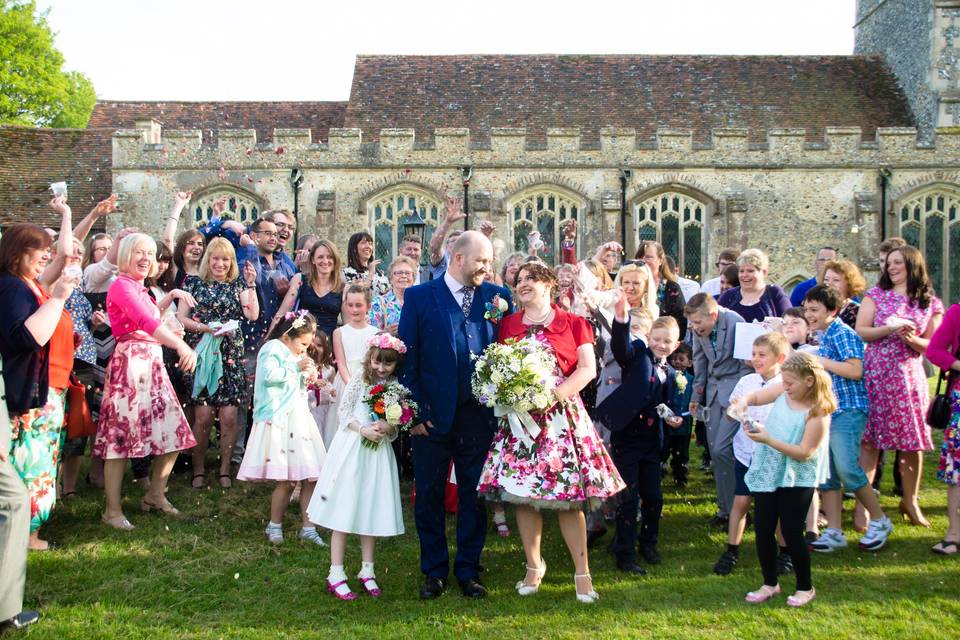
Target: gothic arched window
544	208
390	209
675	220
930	221
241	205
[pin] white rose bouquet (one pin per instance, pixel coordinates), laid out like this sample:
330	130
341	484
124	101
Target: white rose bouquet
515	378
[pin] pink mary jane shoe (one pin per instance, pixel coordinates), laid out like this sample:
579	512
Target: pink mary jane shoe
762	594
332	588
374	590
801	598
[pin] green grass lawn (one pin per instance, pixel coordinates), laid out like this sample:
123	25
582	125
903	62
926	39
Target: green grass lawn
212	574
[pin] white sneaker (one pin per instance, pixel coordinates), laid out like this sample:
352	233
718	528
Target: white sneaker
311	535
274	533
829	541
877	533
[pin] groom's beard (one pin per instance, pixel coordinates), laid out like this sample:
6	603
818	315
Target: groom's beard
475	278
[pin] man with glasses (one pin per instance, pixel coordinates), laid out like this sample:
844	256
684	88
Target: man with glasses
824	255
726	258
286	226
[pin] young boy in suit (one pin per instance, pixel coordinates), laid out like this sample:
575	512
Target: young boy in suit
636	439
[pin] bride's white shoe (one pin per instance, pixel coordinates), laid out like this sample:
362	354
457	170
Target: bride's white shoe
525	589
589	597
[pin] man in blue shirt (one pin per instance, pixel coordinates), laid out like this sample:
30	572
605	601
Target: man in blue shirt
841	354
824	255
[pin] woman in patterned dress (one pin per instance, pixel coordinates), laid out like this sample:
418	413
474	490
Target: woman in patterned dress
896	320
140	415
361	265
385	310
220	295
567	467
36	344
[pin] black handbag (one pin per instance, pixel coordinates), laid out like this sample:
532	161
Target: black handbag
938	414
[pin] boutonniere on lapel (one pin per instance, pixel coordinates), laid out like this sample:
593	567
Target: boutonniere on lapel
681	381
495	309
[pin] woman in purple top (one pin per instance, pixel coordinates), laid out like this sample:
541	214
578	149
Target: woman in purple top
754	299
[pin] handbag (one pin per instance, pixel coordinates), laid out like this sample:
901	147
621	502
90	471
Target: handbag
938	413
79	421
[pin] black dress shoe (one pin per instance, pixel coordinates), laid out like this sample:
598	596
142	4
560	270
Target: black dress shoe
649	553
631	567
593	535
473	588
719	520
433	588
21	620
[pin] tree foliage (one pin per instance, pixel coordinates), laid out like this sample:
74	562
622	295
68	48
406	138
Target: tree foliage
34	89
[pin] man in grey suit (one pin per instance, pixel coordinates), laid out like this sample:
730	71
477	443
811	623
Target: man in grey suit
14	532
716	373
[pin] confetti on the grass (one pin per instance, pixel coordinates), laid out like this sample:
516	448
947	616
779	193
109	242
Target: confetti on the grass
236	576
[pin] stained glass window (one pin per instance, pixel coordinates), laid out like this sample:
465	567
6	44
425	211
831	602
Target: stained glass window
390	210
547	208
676	221
929	220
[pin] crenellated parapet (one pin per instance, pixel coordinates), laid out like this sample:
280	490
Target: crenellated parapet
152	147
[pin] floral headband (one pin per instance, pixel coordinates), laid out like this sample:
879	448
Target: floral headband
387	341
298	317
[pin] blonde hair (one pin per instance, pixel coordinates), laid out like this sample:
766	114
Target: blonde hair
821	395
646	277
129	245
755	258
597	269
362	289
856	284
702	303
775	341
669	323
219	246
402	260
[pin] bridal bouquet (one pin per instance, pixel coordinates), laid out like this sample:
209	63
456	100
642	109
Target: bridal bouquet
391	403
515	378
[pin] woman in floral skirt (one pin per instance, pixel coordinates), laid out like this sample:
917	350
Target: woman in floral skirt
566	468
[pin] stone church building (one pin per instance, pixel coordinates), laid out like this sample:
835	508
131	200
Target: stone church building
699	152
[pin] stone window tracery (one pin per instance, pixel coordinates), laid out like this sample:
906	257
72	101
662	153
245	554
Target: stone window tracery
241	205
930	221
545	209
675	220
390	209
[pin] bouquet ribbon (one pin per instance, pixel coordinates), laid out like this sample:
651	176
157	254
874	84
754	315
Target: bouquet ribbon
522	425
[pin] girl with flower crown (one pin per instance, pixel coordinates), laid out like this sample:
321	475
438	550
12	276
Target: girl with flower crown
285	445
359	488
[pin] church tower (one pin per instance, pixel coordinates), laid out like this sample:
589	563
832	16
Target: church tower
920	40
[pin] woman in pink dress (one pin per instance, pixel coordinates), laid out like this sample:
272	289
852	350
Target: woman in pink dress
896	319
140	415
567	467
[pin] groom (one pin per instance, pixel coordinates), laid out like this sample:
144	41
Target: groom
443	324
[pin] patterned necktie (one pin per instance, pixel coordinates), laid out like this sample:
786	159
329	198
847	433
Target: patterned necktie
467	300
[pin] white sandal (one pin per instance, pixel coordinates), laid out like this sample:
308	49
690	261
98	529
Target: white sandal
589	597
525	589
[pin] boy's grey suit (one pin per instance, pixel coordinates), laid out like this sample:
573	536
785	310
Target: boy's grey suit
716	373
14	523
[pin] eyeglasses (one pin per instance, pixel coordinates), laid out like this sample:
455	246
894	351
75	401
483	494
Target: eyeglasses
723	264
284	225
408	274
269	234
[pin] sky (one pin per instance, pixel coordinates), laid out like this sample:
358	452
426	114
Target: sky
305	50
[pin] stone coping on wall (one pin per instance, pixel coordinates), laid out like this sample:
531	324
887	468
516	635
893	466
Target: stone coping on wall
345	148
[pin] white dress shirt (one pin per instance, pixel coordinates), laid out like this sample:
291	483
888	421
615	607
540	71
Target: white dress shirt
456	287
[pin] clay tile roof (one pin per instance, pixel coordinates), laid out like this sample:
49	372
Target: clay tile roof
212	116
33	158
643	92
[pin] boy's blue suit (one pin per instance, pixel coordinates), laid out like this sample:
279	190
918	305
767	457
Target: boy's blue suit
636	439
437	370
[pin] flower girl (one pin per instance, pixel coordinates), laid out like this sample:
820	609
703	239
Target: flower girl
285	444
358	490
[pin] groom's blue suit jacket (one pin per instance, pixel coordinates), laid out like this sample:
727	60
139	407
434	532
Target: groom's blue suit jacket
439	343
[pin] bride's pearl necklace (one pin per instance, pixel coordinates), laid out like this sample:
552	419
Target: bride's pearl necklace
541	320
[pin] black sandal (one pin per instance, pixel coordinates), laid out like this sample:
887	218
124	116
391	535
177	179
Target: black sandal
229	483
944	545
193	482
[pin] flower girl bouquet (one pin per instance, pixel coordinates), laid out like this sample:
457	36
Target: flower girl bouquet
391	403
